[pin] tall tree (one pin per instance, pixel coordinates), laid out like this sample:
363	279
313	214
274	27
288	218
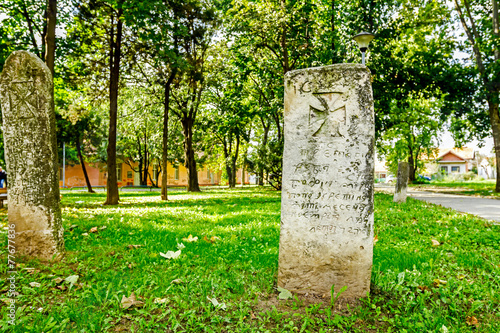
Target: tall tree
115	45
416	135
480	20
50	37
99	28
228	99
198	21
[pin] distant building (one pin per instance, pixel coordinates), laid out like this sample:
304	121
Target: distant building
381	171
455	160
176	175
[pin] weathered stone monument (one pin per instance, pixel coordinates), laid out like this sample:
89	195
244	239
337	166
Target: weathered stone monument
29	132
328	169
401	182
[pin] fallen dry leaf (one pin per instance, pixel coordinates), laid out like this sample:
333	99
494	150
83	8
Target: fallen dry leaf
128	302
472	321
58	280
190	239
177	281
375	239
435	242
171	254
134	246
438	282
424	288
93	230
212	239
160	300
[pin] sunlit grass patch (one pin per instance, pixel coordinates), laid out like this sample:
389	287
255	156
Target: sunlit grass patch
115	251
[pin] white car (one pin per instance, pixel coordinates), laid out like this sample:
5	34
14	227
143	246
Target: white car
390	179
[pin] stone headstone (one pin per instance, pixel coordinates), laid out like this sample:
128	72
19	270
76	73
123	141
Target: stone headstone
29	132
401	182
328	169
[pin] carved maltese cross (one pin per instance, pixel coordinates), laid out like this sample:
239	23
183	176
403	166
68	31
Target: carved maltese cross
23	99
327	114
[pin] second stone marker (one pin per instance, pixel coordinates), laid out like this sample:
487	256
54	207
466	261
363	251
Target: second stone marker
328	168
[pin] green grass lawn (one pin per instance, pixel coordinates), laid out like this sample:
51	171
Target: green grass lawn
226	280
485	188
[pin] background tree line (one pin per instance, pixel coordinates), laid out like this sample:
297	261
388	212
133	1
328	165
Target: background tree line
201	82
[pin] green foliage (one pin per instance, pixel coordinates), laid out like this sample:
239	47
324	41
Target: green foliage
419	126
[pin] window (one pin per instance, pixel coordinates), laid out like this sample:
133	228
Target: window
129	174
176	173
455	169
119	171
444	169
155	171
382	176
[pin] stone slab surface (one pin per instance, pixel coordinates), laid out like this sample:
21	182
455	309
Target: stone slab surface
26	94
402	182
328	169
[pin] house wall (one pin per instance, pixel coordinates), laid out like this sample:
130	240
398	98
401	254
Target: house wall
238	177
127	175
462	168
450	158
75	177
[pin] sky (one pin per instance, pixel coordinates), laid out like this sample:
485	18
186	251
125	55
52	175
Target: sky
448	142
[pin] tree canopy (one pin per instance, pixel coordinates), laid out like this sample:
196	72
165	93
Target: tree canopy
212	72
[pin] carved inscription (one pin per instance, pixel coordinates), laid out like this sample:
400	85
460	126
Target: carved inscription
333	192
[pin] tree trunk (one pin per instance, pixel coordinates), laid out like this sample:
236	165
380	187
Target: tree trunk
164	158
243	169
284	47
112	195
187	126
229	172
262	155
50	37
412	165
80	157
146	162
333	32
495	127
234	159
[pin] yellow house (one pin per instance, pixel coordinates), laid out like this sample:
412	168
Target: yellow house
176	175
127	176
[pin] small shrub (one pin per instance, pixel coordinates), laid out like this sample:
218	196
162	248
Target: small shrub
421	180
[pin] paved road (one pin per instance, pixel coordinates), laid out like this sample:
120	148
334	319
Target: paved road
486	208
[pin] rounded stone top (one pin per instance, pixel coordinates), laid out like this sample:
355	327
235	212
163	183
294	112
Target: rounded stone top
336	67
24	65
